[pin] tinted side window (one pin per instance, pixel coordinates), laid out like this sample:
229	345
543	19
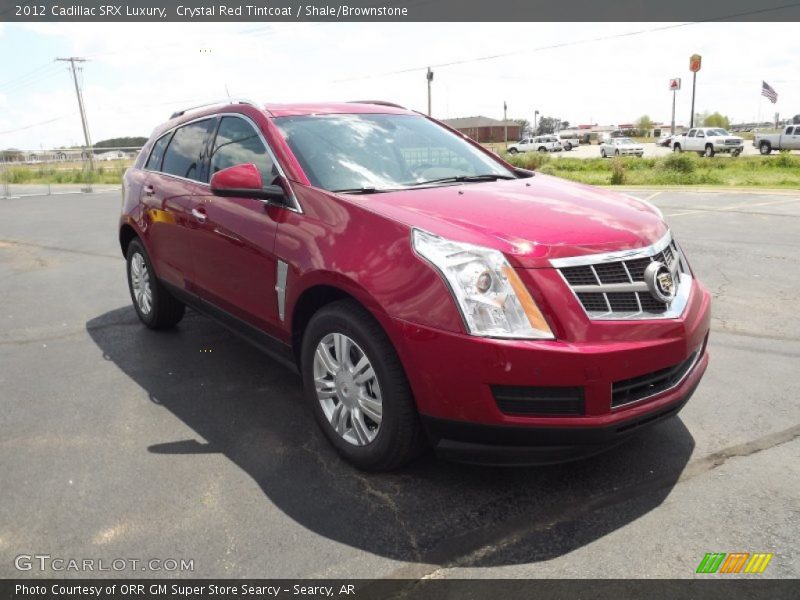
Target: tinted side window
184	155
237	143
157	153
789	131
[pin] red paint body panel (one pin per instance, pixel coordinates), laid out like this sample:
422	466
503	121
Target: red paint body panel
361	245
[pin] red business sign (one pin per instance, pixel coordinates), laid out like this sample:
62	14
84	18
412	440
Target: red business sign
695	61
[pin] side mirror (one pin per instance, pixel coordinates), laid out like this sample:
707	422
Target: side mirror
245	181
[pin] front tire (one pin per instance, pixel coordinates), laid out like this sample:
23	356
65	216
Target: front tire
542	149
677	148
155	306
602	153
357	389
709	151
513	151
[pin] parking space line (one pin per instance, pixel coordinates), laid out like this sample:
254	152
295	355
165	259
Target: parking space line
733	207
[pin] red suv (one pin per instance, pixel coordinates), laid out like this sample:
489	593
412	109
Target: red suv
427	291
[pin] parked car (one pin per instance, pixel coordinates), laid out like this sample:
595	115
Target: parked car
708	141
788	139
428	293
621	147
542	143
665	140
569	143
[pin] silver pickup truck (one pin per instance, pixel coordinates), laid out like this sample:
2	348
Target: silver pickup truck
788	139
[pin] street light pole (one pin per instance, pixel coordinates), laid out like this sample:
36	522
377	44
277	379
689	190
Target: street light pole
429	77
535	114
505	122
72	60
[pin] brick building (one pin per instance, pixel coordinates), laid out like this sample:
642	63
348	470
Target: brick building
484	129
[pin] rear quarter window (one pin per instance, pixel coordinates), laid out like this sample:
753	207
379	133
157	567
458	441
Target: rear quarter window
157	154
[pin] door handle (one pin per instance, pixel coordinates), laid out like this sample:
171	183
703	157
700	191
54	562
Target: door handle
149	190
199	215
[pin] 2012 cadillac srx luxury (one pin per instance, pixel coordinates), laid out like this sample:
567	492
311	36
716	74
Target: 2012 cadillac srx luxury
428	293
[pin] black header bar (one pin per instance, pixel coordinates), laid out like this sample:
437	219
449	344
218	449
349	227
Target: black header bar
399	10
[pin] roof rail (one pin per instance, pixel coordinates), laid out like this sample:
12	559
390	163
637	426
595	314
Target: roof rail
225	101
377	102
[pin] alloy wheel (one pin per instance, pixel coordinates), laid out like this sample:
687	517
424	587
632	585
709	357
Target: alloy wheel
140	284
347	389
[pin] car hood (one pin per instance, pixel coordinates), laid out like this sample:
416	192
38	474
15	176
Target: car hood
530	220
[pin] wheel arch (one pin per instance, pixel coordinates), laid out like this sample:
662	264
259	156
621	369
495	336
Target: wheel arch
126	235
320	291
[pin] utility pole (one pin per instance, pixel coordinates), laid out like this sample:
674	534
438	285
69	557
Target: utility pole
535	114
429	77
72	60
505	121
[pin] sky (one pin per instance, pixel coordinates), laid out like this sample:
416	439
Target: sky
138	73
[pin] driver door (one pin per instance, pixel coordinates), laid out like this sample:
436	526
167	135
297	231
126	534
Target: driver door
234	255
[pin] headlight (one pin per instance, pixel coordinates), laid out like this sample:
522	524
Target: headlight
489	294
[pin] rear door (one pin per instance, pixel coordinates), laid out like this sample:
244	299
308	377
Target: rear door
234	254
173	168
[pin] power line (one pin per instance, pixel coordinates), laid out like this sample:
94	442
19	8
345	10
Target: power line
32	125
567	44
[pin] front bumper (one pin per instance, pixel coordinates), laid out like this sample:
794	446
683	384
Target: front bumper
726	148
519	446
452	376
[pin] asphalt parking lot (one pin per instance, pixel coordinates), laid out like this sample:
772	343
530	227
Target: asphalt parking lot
119	442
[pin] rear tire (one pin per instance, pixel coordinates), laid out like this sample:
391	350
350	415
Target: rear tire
765	148
568	147
513	151
378	425
602	153
542	149
155	306
616	152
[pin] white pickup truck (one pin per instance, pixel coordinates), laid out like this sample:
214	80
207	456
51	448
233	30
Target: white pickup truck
788	139
542	143
708	141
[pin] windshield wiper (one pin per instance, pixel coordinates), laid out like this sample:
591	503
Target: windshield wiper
361	190
466	178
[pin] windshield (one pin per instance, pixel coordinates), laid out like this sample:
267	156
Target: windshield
717	132
381	151
625	141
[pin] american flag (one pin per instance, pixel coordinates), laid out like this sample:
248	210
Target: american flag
767	91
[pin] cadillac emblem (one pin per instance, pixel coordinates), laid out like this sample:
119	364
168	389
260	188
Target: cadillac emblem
660	282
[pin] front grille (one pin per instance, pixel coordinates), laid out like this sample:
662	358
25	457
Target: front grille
610	289
526	400
641	387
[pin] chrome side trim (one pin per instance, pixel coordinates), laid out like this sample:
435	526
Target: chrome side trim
698	355
280	288
593	259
